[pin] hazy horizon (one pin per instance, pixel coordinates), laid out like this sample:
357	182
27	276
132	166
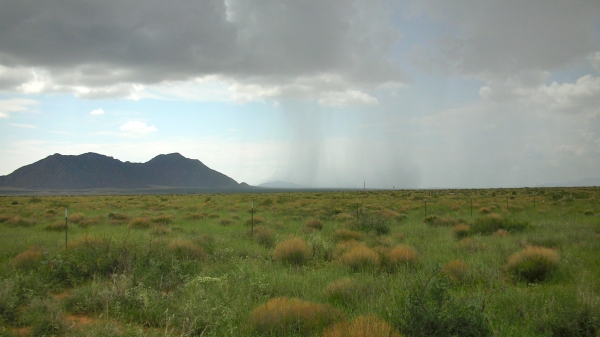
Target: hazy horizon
417	94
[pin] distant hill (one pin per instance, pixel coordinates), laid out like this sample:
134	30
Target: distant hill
282	184
92	170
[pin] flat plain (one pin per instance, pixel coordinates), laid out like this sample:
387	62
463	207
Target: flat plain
485	262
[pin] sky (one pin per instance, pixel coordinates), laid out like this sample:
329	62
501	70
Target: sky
337	93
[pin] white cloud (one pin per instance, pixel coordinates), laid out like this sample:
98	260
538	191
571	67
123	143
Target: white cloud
26	126
348	97
137	127
595	60
97	112
14	105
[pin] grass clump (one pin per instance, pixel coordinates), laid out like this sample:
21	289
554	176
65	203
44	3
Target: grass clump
294	251
163	219
342	291
140	223
360	258
362	326
17	221
283	315
403	255
187	250
455	270
533	264
461	231
56	227
263	236
77	218
343	234
492	223
28	258
160	230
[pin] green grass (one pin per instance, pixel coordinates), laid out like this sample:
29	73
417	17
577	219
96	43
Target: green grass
186	265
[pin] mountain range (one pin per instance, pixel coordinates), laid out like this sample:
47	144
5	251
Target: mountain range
92	170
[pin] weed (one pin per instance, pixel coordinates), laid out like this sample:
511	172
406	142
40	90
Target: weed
533	264
56	227
489	224
362	326
321	247
160	230
294	251
9	301
285	315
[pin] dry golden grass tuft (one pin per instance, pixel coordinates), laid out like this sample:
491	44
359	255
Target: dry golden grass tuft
344	217
360	258
343	234
456	208
533	264
283	315
362	326
294	251
485	210
470	245
195	216
28	258
455	270
404	255
77	218
314	224
501	233
461	231
57	226
187	250
389	214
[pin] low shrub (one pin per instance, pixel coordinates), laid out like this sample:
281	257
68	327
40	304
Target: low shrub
533	264
225	222
360	258
343	291
294	251
4	218
442	221
404	256
485	210
9	301
321	247
501	233
314	224
461	231
195	216
361	326
283	315
45	318
118	218
140	223
389	214
347	235
455	270
258	219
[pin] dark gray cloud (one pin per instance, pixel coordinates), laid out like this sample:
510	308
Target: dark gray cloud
504	39
105	43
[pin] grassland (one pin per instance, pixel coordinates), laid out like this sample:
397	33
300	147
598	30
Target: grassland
522	262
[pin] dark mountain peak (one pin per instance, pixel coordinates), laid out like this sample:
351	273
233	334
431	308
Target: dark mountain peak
93	170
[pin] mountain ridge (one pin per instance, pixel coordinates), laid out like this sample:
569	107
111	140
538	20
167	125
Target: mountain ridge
92	170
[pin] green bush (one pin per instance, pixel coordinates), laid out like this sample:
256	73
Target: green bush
533	264
490	224
432	311
374	223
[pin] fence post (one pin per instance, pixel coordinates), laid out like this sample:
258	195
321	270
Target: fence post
66	229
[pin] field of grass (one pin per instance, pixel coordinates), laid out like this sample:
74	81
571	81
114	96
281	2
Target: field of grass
518	262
